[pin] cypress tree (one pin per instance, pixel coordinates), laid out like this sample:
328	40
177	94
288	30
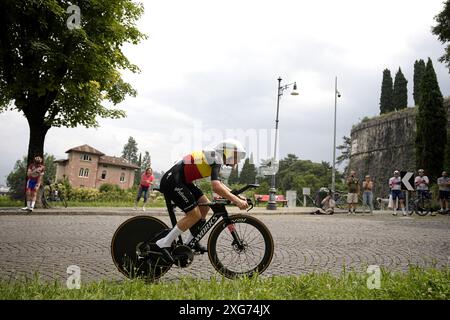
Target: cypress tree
431	121
400	97
234	176
386	103
419	69
248	173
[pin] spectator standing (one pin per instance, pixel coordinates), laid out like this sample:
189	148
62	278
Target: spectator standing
35	173
444	191
422	184
367	186
395	184
353	191
144	187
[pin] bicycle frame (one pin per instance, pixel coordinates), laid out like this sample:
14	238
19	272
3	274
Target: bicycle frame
219	211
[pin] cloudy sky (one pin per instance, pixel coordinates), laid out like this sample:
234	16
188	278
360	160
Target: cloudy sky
209	69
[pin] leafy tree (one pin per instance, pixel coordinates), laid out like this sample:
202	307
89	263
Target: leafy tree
442	30
130	151
296	174
146	161
419	69
138	171
234	176
248	173
16	178
387	92
59	76
346	149
400	94
431	121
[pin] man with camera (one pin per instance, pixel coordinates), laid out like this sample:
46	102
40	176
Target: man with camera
353	191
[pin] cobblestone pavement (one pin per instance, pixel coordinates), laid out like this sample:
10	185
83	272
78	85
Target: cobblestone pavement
303	243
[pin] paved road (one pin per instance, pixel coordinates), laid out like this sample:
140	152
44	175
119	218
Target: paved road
48	244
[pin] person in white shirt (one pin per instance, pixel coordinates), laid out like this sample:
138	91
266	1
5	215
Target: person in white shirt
444	191
395	183
422	183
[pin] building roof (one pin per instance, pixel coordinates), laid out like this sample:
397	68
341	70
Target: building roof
86	149
116	161
61	160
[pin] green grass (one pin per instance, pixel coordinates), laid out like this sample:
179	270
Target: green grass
6	201
416	284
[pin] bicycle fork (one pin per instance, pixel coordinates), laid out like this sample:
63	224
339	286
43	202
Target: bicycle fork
237	242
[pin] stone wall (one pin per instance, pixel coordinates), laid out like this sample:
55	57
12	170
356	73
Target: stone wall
384	144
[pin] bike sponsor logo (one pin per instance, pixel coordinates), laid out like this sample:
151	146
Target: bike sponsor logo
235	220
178	190
206	227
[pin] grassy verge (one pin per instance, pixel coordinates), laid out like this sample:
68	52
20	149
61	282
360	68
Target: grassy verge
416	284
6	201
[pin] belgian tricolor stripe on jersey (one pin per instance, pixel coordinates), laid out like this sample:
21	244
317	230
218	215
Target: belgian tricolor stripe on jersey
196	166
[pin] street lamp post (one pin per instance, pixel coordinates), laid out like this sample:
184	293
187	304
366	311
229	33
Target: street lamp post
272	204
337	94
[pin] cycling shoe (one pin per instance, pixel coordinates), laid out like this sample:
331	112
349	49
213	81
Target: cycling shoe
199	248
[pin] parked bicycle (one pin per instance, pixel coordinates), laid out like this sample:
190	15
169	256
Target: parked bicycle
238	245
54	195
420	204
340	199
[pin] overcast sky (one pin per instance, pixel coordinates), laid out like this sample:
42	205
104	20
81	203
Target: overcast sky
210	69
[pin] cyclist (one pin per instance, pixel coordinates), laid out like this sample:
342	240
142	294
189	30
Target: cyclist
395	183
177	186
35	172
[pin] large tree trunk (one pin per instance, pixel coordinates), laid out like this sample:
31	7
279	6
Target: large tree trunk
38	131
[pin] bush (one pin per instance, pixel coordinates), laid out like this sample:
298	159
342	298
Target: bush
84	194
109	187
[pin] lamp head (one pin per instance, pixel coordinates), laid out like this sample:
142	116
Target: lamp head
338	94
294	90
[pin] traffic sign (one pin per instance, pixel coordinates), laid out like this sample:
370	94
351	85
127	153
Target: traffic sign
407	180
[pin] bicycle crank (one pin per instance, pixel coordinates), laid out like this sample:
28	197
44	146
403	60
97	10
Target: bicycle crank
183	256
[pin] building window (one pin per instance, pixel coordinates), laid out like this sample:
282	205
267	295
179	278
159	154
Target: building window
122	177
83	173
103	174
85	157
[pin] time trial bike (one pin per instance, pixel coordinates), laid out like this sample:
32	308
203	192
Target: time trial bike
238	245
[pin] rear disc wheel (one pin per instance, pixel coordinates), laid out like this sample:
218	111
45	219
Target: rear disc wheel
128	249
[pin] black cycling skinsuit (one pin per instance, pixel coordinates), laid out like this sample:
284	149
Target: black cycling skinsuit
177	183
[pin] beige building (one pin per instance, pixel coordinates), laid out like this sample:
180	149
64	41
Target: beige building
87	167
